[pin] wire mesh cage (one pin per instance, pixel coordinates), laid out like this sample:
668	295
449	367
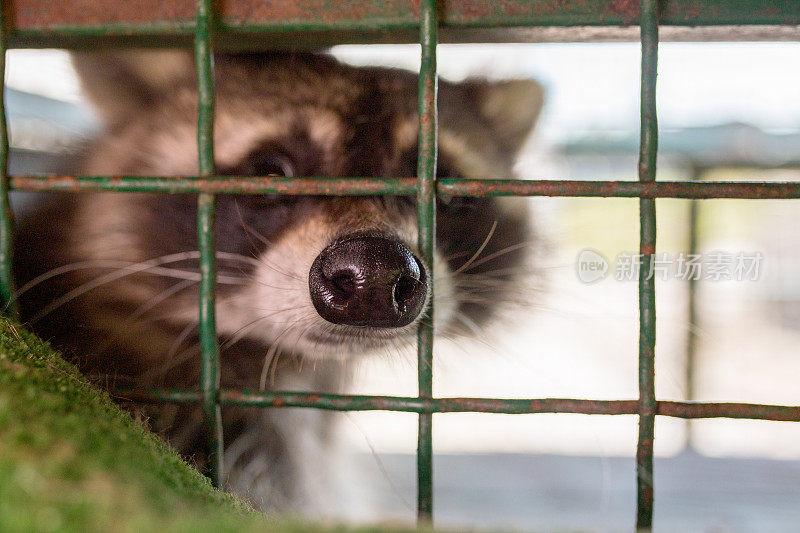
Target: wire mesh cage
205	26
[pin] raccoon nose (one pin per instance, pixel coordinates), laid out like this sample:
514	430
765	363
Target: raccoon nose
368	279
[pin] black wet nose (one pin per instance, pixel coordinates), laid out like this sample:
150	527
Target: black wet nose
368	280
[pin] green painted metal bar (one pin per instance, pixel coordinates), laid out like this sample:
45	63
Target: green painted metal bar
78	23
6	222
345	402
426	217
648	151
692	314
220	185
705	190
209	371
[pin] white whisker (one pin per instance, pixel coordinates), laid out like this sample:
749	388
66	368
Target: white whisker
466	265
142	309
495	255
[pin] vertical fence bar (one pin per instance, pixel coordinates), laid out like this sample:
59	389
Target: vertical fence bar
6	225
209	370
648	149
426	201
691	305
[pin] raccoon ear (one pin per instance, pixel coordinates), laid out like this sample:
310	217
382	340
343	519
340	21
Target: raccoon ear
511	108
119	83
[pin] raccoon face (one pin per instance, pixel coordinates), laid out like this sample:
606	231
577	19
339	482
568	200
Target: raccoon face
313	276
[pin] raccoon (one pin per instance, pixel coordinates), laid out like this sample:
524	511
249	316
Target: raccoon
306	285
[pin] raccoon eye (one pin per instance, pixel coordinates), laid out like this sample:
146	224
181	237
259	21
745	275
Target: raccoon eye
267	164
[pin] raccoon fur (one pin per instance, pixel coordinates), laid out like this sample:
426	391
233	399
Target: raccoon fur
305	284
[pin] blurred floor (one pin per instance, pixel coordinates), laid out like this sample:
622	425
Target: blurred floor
563	493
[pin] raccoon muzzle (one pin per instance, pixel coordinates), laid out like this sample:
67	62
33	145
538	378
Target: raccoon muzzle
368	279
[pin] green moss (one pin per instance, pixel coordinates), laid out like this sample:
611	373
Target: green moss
71	460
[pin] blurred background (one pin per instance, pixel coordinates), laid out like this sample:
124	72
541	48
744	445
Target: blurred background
726	111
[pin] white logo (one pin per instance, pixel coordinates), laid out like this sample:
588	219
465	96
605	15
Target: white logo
592	267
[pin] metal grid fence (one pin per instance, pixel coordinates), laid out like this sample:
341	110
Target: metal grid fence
426	187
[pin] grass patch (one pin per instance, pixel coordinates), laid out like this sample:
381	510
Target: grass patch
71	460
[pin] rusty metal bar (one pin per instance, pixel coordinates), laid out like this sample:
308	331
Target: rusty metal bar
77	22
345	402
426	220
6	222
704	190
621	189
209	369
221	185
648	150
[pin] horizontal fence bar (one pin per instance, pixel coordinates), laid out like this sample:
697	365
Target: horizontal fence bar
345	402
219	185
705	190
236	38
621	189
44	18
